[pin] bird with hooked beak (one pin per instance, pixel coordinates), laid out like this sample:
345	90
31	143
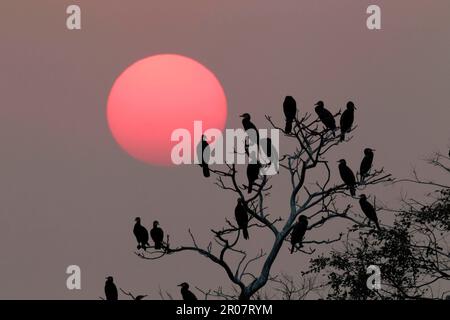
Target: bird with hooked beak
250	128
141	234
325	116
347	118
366	163
111	289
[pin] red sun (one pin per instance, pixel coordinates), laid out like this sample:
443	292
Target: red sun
157	95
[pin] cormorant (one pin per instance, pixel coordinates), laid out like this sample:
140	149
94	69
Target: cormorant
110	289
141	234
347	176
298	232
157	235
366	163
203	152
325	116
290	111
369	210
240	213
252	173
186	293
347	119
250	128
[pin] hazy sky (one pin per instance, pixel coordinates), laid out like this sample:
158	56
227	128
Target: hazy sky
69	194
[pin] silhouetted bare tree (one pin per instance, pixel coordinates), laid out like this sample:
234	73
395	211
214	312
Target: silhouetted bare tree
316	198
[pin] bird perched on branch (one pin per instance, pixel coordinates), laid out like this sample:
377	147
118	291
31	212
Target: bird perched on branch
110	289
369	210
347	119
186	293
203	152
325	116
298	232
250	128
252	172
366	163
141	234
240	213
157	235
347	176
290	111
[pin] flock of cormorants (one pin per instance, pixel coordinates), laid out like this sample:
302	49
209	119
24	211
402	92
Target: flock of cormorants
241	213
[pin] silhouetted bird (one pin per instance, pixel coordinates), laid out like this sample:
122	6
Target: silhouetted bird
110	289
252	173
250	128
325	116
203	152
347	119
240	213
369	210
290	111
157	235
298	232
347	176
186	293
366	163
141	234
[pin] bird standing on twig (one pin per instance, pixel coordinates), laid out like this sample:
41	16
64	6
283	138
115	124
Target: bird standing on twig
250	128
369	210
298	232
347	119
203	152
347	176
290	111
186	293
157	235
111	289
366	163
141	234
325	116
240	213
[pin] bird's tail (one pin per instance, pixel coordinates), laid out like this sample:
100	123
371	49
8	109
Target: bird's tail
245	233
333	131
353	191
158	245
288	127
378	225
292	248
342	135
205	170
139	247
250	187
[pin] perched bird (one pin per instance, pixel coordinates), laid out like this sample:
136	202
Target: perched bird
298	232
186	293
325	116
141	234
252	173
157	235
240	213
366	163
347	119
369	210
110	289
347	176
203	152
290	111
250	128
